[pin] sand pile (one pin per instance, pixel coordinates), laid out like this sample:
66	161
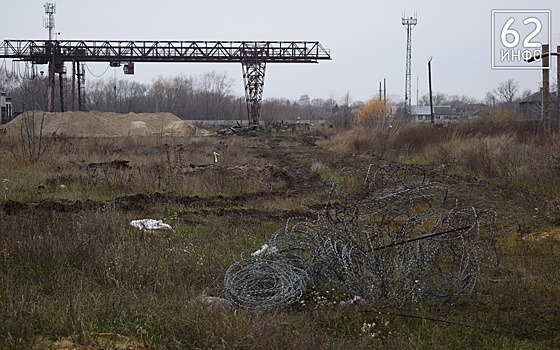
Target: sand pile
104	124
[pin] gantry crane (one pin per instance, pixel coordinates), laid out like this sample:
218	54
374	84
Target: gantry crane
253	56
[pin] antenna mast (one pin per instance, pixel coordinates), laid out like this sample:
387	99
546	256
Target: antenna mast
50	9
408	23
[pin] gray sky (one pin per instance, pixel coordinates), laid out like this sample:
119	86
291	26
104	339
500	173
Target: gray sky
366	39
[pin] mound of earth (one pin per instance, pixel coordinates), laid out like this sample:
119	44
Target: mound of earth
102	124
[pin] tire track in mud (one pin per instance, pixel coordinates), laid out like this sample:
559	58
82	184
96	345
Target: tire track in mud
295	155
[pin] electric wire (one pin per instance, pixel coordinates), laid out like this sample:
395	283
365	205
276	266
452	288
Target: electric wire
97	76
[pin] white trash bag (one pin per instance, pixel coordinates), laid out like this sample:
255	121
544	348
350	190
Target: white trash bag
150	225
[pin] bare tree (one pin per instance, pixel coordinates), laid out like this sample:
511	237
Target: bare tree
215	93
274	109
26	93
438	99
183	98
506	91
344	116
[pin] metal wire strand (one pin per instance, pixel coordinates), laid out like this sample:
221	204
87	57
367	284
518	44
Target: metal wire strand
393	242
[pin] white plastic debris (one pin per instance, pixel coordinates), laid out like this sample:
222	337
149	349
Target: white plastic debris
261	251
265	248
150	224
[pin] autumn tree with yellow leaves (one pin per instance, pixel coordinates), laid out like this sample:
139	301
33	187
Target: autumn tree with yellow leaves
374	113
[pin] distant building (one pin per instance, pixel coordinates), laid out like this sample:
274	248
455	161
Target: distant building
531	107
422	114
6	112
474	110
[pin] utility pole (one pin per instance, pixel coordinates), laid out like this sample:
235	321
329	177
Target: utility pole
408	23
546	90
545	57
417	89
430	88
384	92
383	98
385	116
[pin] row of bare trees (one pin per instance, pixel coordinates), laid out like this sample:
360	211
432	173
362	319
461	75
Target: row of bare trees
207	96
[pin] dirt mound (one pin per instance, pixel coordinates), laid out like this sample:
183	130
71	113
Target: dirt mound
103	124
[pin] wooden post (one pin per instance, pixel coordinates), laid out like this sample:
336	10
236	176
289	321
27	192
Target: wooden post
546	89
558	85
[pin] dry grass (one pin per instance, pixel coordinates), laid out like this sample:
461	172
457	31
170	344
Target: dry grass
104	168
512	154
86	279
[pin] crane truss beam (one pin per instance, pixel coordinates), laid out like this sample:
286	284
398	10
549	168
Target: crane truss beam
40	52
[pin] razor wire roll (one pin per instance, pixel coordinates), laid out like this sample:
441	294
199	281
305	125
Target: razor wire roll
393	241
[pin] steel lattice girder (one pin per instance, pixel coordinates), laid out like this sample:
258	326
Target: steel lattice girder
41	52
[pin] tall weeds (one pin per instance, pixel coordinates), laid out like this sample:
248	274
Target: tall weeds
511	153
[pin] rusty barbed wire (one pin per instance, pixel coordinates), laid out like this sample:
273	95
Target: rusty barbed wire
389	237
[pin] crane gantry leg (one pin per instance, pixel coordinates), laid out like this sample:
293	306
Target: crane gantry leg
56	66
254	66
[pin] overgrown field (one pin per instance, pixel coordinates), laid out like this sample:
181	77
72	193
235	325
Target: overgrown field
75	274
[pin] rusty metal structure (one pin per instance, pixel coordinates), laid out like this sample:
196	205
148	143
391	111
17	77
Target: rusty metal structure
253	55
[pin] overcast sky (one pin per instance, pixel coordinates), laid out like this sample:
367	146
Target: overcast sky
366	39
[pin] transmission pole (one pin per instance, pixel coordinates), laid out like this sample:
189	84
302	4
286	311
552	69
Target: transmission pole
408	23
50	9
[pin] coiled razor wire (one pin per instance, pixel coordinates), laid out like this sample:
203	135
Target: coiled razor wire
392	240
267	283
